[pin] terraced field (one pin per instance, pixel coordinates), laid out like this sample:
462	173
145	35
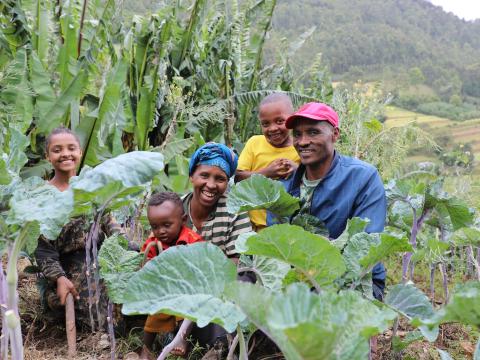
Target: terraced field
463	132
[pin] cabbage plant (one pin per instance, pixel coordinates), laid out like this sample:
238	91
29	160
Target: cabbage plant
199	282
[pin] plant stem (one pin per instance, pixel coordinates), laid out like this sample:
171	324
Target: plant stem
432	283
469	261
443	270
474	262
111	333
80	34
243	347
3	308
233	346
12	299
88	261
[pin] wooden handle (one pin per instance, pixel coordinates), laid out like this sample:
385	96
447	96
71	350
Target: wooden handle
70	326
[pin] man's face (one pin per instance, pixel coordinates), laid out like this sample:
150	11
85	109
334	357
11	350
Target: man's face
272	118
314	141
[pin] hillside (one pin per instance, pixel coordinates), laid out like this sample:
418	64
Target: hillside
448	133
385	40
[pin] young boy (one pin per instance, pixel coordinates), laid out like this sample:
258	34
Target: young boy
167	219
271	154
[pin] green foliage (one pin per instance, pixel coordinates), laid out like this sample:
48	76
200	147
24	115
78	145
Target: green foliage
181	282
259	192
467	236
463	307
35	200
412	303
397	43
270	272
112	181
314	256
117	265
27	237
363	251
310	326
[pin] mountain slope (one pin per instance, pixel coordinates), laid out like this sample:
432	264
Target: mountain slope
377	38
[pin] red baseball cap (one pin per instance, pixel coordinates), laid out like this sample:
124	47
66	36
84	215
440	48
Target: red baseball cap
314	111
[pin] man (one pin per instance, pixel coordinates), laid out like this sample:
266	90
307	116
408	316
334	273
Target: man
333	187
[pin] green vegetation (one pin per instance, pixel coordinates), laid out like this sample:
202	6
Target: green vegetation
143	91
420	53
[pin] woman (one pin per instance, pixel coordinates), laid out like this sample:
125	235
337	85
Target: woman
211	167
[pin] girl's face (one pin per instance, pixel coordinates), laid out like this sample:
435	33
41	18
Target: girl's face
209	183
64	152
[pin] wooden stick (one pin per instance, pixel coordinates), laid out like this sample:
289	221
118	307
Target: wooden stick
70	326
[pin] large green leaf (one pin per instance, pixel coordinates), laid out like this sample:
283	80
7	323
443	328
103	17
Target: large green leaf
40	80
464	305
15	92
313	255
309	326
131	169
5	177
467	236
28	236
388	245
449	207
36	200
259	192
174	148
186	281
270	271
101	140
412	303
117	265
17	145
354	226
54	115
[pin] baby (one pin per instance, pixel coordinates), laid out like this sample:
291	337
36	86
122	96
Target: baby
167	219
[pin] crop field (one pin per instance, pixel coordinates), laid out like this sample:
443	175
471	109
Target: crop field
462	132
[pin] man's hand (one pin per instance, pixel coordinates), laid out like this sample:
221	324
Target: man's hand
65	286
279	168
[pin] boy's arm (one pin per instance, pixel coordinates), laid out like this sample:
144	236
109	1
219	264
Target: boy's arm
277	169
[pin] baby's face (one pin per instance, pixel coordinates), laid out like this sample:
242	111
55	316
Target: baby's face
166	221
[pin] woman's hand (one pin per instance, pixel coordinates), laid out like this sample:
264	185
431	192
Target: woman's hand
65	286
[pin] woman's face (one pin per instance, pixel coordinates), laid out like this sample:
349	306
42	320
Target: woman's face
64	152
209	183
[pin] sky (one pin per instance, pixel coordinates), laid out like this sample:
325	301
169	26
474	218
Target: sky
466	9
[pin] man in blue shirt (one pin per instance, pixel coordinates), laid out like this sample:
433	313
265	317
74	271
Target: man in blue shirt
333	187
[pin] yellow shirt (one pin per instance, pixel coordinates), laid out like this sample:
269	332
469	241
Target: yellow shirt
257	154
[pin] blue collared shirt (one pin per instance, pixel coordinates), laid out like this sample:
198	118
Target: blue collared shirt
351	188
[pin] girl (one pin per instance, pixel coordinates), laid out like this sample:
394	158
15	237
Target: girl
62	261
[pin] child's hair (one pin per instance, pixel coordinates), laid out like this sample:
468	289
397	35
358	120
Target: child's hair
277	97
159	198
59	130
